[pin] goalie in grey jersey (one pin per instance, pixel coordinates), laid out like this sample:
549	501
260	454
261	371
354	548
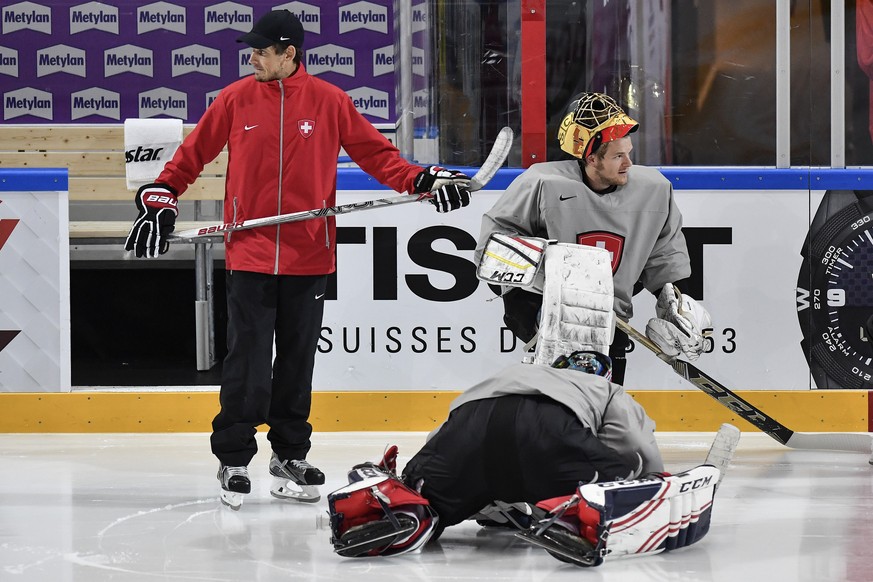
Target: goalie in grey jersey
601	199
537	433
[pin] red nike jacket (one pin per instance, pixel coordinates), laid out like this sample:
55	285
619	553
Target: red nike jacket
283	138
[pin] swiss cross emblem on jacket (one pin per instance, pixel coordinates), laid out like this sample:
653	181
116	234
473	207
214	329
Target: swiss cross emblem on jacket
306	127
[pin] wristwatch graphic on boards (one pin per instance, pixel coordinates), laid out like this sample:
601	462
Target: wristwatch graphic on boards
835	291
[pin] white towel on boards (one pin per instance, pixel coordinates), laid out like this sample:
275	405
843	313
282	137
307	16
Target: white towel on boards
148	145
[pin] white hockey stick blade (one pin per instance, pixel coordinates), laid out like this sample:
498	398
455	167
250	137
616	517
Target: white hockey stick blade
495	159
851	442
723	447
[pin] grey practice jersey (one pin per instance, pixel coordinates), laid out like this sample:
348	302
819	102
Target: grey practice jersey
638	223
617	419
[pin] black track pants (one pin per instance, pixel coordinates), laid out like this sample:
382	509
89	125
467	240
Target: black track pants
255	389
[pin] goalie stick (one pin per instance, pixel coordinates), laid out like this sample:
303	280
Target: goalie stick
495	159
856	443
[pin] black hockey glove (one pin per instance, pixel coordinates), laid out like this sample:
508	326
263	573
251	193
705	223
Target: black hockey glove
433	178
158	209
450	197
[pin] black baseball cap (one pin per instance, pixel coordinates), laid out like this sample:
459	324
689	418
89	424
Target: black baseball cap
273	27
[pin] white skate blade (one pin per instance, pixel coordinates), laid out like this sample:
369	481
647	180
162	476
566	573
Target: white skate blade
721	452
231	499
289	490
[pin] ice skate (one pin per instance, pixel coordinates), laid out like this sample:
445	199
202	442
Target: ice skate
295	479
235	484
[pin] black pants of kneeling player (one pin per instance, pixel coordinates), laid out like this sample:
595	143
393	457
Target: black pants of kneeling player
509	448
255	388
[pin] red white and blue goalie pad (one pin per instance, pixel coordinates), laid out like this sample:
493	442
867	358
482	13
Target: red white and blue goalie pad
377	515
623	518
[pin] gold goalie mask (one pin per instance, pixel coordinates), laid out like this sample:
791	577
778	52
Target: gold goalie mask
592	120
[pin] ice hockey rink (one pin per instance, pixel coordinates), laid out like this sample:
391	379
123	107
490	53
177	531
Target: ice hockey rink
143	507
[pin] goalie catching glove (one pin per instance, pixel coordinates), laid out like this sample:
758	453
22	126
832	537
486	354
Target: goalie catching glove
680	325
158	209
446	189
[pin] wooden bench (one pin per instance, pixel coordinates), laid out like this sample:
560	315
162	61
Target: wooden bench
94	156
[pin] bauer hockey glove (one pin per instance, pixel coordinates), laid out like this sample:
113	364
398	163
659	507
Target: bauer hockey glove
446	189
158	209
680	324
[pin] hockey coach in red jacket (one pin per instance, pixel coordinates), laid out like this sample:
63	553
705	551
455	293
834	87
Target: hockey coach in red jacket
283	130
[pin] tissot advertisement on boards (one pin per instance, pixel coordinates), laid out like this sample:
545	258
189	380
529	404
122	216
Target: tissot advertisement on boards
409	313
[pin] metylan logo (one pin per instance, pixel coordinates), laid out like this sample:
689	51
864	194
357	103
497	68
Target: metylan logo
363	15
161	16
60	59
8	61
27	16
420	103
245	67
210	97
163	101
128	58
94	15
419	17
227	15
95	101
383	60
27	101
330	57
196	58
370	101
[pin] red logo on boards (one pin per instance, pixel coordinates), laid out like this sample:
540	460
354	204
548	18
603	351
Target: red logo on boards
612	242
306	127
6	228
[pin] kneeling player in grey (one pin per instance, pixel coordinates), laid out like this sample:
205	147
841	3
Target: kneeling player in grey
508	438
531	432
499	454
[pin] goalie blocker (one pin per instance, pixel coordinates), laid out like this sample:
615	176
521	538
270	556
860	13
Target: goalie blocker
623	518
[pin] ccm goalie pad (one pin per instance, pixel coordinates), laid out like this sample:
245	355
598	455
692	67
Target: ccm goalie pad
512	260
625	518
577	302
377	515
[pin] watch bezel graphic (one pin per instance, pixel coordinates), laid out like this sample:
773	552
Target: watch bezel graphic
835	291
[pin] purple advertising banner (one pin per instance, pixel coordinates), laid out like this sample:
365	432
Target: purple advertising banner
64	61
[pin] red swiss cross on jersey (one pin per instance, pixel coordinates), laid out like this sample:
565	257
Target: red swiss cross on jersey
306	127
612	242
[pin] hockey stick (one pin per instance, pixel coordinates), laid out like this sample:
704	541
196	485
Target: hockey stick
496	157
858	443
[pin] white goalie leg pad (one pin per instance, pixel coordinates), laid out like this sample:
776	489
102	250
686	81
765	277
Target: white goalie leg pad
577	302
653	515
513	261
627	518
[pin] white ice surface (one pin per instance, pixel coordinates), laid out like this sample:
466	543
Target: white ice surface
144	507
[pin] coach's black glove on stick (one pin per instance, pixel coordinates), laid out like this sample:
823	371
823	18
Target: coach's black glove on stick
447	190
158	209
